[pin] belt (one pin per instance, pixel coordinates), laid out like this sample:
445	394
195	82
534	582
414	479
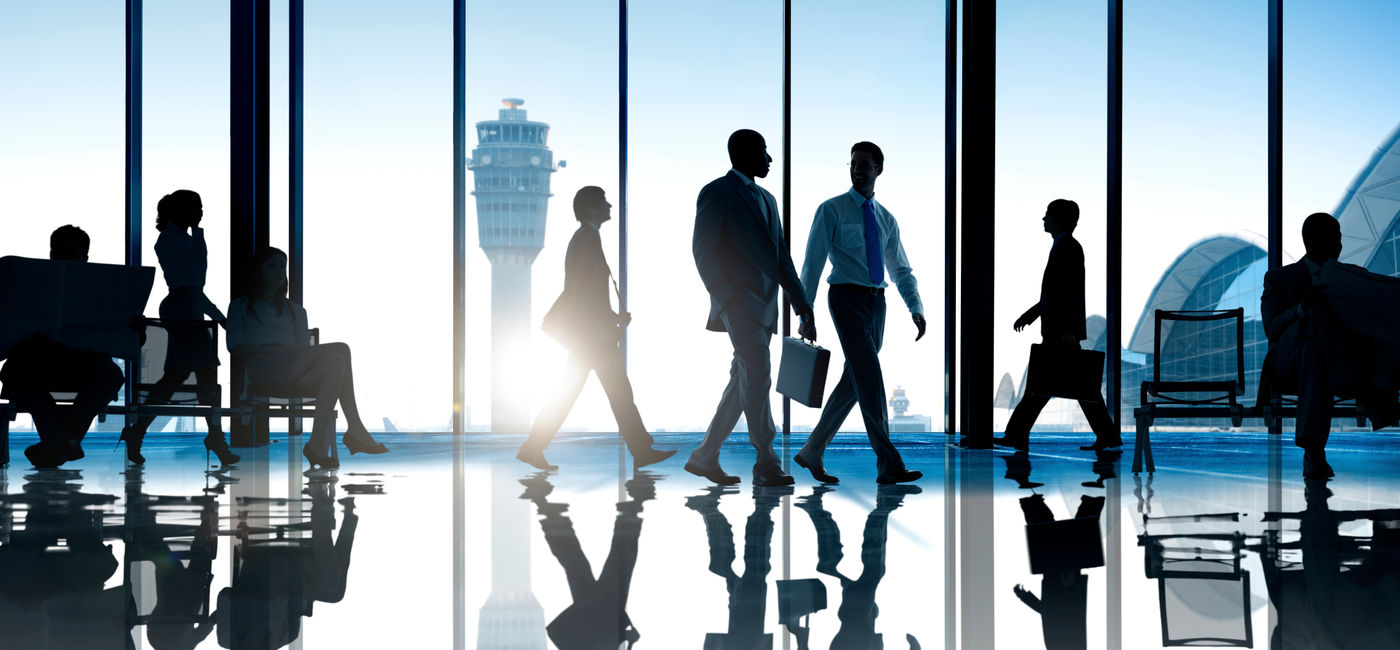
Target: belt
861	289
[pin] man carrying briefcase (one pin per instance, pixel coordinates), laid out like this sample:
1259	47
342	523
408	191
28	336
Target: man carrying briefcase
1061	312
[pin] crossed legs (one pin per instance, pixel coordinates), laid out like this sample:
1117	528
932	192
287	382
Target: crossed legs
325	371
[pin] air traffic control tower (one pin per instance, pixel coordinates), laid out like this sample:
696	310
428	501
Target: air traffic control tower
511	166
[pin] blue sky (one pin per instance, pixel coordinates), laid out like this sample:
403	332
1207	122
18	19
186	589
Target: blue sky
379	152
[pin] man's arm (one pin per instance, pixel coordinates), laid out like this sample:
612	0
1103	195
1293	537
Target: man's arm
705	244
903	275
818	249
1274	307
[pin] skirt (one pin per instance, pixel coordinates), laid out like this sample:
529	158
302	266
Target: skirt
191	348
271	368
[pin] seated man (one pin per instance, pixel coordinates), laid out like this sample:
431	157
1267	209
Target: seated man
38	366
1311	349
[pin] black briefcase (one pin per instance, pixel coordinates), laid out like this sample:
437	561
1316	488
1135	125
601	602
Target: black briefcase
802	371
1067	371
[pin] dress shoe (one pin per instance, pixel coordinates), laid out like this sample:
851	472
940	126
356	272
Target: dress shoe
716	475
535	458
133	439
1017	443
651	457
901	476
818	472
1315	464
43	456
361	442
772	477
1115	441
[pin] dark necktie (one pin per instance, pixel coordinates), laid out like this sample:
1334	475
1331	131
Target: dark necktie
873	259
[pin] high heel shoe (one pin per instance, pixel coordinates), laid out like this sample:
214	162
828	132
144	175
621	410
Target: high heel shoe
361	442
219	447
318	460
133	445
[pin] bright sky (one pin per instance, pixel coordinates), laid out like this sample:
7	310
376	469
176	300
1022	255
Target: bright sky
378	154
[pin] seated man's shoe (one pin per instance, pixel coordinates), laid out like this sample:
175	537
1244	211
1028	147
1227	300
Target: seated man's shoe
535	458
901	476
651	457
1315	464
43	455
771	477
969	442
818	472
1015	442
716	475
1102	443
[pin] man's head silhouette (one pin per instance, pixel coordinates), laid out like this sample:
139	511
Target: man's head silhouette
591	205
69	244
1061	216
867	163
748	153
1322	237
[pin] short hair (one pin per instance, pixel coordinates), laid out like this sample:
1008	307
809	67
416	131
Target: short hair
177	208
586	197
1320	224
872	149
69	243
1064	209
744	140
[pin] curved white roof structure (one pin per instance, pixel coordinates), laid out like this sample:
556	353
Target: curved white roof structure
1371	203
1182	277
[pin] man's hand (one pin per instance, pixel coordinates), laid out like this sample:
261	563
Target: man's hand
920	323
1314	296
1026	319
807	328
624	318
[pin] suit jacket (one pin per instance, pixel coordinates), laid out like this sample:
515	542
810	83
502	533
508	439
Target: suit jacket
1062	291
1284	289
583	312
741	258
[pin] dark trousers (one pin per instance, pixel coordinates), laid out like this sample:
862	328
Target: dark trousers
604	359
1322	358
747	394
1095	411
38	367
859	316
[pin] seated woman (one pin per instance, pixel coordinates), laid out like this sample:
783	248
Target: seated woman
184	259
269	332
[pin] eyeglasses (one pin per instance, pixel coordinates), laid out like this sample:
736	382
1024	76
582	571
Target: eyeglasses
864	167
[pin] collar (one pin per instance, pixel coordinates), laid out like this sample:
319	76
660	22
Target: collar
742	177
591	225
1061	236
860	198
1313	267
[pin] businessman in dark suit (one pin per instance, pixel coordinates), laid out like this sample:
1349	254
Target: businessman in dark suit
1061	314
739	251
583	320
1310	349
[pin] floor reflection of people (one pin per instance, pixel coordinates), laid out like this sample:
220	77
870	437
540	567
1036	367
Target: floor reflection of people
53	569
1064	590
597	618
278	581
1347	592
178	620
748	593
858	609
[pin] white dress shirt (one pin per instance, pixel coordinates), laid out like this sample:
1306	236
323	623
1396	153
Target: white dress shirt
838	232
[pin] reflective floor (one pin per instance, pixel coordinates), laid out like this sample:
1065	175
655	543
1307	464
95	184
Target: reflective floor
436	546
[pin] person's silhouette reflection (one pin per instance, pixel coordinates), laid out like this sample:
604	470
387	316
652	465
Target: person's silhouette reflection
182	578
1347	593
748	593
52	571
1064	589
858	609
598	616
278	581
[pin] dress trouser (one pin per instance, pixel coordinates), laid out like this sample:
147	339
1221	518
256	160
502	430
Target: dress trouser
1322	357
1095	411
750	377
859	316
604	359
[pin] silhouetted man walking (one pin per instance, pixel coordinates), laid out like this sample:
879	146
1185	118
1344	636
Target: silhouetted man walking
583	319
739	251
862	239
1061	314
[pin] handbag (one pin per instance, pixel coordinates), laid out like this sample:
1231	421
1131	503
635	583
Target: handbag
802	371
1067	371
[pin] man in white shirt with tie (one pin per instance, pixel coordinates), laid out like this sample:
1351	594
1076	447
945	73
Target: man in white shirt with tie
861	238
